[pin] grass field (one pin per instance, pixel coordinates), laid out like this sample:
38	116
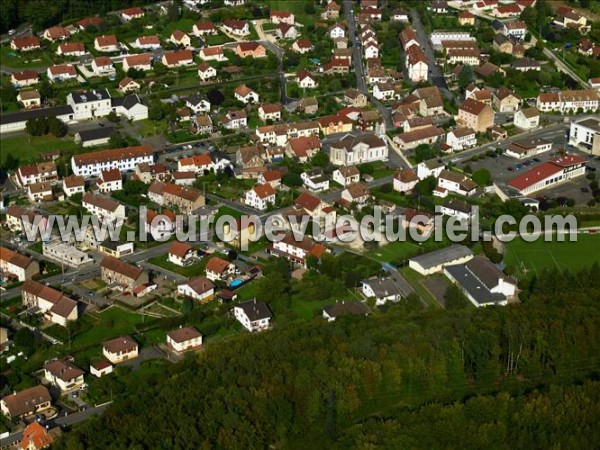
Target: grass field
27	148
527	257
296	7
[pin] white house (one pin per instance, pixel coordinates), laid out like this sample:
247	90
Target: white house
120	349
124	159
206	71
103	207
109	180
357	150
236	27
90	104
527	119
430	168
63	374
73	184
586	134
101	368
382	289
457	208
270	111
61	72
405	181
260	197
219	269
346	175
103	67
435	261
253	315
107	44
147	42
383	91
306	80
198	288
337	31
457	183
184	339
180	254
197	103
315	181
141	62
461	138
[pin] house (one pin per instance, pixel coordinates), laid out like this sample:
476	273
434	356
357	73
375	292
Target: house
315	181
35	437
180	38
469	56
178	58
234	2
180	254
235	120
548	174
475	115
516	29
526	148
526	64
332	10
71	49
430	168
353	97
90	104
54	305
438	6
109	180
39	192
212	54
569	18
356	194
466	19
24	78
412	139
382	289
184	340
26	402
435	261
508	45
461	138
54	34
509	10
345	308
302	46
306	80
399	15
160	226
103	67
107	44
206	71
15	265
260	197
61	72
482	282
245	95
141	62
408	38
198	288
14	217
130	14
195	163
416	62
218	269
63	374
456	183
278	17
308	105
106	209
204	28
371	51
271	177
358	150
384	91
73	184
253	315
506	100
405	181
270	111
147	42
430	101
124	159
457	208
285	31
585	133
147	173
25	44
337	31
36	173
186	199
236	27
303	147
250	49
346	175
125	276
95	137
197	103
337	66
527	119
203	124
120	349
101	368
128	85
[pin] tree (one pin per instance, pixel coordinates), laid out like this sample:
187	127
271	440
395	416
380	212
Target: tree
466	77
155	110
113	117
136	74
367	169
24	338
312	262
187	306
309	8
321	159
426	186
291	179
424	152
482	177
11	162
454	298
57	127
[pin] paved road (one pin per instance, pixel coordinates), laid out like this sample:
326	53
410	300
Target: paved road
361	84
435	73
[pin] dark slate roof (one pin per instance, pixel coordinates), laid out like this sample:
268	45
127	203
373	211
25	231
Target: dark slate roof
83	97
96	133
23	116
383	287
127	102
255	310
442	256
475	288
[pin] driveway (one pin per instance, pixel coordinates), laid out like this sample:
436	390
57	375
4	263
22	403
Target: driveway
146	354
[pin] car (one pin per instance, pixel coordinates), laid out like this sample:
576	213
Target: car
40	418
590	168
91	293
83	387
585	190
537	160
11	32
75	394
510	169
526	163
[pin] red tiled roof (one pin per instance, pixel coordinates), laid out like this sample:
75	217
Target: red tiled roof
179	249
114	154
106	41
308	201
217	265
121	267
26	42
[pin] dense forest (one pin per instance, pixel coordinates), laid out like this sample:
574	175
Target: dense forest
524	375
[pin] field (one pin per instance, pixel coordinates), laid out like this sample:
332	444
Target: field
296	7
536	256
27	148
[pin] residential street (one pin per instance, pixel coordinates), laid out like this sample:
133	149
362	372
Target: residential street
361	84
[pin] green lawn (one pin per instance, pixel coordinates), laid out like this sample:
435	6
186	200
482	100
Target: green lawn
395	251
527	257
296	7
27	148
189	271
10	58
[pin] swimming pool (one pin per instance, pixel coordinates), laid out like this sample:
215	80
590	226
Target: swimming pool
235	283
